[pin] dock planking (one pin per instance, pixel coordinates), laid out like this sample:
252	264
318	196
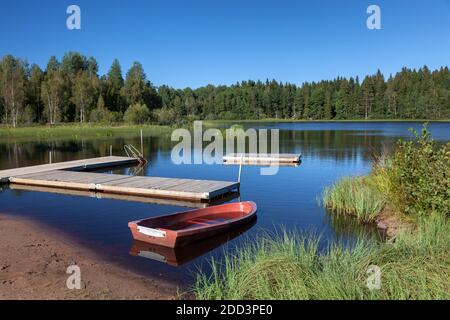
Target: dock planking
260	158
75	165
171	188
75	176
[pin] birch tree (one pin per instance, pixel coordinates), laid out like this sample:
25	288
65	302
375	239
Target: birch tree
53	92
83	93
13	83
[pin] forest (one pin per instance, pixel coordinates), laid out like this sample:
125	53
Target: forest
71	90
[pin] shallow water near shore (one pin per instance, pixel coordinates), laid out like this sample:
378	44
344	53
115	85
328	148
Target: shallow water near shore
289	199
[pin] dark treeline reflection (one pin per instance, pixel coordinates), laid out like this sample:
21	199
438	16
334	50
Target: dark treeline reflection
326	144
17	154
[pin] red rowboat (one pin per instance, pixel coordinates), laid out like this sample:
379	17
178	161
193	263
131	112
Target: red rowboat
182	228
181	255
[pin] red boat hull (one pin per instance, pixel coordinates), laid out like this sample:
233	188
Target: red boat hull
180	229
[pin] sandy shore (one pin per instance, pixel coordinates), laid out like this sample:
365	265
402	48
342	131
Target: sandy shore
34	261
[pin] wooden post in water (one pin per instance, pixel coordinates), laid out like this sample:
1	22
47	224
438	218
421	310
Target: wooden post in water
240	171
50	156
142	144
110	150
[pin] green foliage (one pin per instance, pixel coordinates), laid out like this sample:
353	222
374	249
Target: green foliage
28	116
59	93
112	86
83	94
138	90
355	196
13	81
165	116
418	175
137	114
102	115
76	131
414	180
290	266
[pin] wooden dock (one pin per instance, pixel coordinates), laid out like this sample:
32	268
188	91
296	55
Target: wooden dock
124	197
186	189
72	175
75	165
262	159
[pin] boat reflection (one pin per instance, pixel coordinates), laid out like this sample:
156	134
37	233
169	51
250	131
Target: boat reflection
179	256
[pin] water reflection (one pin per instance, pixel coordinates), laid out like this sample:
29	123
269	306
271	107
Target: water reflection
180	256
289	198
337	141
347	227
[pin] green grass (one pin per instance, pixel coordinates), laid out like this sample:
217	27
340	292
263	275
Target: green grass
413	181
412	184
76	131
290	266
356	197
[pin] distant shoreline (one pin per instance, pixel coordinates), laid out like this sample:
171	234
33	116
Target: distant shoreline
88	130
77	131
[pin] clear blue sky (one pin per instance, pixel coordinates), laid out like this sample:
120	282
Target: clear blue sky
194	43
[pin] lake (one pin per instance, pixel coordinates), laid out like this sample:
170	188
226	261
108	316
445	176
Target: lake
289	199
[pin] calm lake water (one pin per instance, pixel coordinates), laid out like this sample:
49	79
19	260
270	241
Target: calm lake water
288	199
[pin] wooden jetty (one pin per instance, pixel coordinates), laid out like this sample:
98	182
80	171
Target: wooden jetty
72	175
130	198
187	189
75	165
262	159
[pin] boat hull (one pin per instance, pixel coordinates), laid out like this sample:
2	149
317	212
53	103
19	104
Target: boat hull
183	237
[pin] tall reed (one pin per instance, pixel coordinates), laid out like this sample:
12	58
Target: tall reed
290	266
354	196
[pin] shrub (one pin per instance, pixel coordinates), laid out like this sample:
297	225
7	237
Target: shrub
28	116
418	175
102	115
137	114
165	116
415	180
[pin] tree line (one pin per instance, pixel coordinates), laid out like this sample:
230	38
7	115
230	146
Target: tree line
71	90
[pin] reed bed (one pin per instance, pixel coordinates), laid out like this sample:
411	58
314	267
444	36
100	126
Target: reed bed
412	184
356	197
290	266
76	131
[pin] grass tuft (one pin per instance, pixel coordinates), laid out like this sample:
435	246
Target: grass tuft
290	266
356	197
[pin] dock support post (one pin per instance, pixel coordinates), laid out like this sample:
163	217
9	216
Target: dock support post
50	156
110	150
142	144
240	171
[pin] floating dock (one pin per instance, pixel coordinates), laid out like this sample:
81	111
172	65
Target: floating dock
262	159
187	189
72	175
75	165
130	198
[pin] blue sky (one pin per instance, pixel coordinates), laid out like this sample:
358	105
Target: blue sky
194	43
